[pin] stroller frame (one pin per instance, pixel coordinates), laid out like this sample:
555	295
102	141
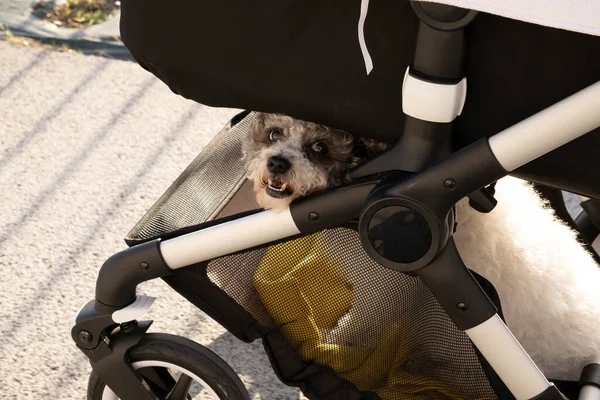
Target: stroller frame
424	182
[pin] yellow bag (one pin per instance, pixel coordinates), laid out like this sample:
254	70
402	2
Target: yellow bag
303	291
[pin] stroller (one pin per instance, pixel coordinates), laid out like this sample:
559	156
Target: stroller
393	71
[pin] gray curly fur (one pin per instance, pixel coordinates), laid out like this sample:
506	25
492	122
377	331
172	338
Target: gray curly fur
309	172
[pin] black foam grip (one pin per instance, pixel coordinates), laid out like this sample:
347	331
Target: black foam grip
590	375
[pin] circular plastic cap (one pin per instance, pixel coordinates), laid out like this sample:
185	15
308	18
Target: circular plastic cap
399	234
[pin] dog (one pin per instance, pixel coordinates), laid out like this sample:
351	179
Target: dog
287	158
549	285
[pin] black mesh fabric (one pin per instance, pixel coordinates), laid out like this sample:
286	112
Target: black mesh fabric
380	329
201	191
334	322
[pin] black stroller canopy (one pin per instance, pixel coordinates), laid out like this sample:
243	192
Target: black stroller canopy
304	59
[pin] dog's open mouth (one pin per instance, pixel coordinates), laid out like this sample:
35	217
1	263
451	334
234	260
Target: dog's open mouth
277	188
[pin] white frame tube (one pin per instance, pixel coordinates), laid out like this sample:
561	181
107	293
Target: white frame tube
539	134
508	358
229	237
549	129
589	392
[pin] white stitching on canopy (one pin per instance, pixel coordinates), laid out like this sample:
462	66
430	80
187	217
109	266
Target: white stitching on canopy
364	8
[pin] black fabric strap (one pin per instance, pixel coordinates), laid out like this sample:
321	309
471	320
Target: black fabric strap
317	383
193	284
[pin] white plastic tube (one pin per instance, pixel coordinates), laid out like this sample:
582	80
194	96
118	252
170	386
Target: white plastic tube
434	102
506	356
589	392
227	238
549	129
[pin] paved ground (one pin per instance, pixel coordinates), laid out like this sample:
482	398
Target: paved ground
104	38
86	146
18	7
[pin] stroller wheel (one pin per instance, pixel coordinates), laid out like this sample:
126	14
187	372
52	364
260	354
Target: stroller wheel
176	368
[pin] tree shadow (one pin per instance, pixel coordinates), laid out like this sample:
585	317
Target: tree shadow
251	363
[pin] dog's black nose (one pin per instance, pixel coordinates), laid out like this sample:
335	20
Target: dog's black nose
277	165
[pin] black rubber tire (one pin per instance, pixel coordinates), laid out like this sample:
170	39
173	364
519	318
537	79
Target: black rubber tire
187	354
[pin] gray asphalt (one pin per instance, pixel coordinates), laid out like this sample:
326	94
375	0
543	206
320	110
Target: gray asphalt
104	38
87	145
17	7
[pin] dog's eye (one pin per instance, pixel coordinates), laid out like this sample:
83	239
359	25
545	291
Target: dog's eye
275	134
319	147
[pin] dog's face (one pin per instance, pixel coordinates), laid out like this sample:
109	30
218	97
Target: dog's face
287	158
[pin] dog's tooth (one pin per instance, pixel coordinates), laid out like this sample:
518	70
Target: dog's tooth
283	186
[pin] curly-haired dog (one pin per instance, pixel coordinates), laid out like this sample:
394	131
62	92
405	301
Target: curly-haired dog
287	158
548	284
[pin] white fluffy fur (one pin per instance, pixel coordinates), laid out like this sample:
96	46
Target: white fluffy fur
548	284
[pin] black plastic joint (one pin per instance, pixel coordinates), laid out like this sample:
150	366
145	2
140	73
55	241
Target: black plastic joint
443	185
439	55
440	48
465	302
114	368
90	327
119	276
590	375
483	200
443	17
331	208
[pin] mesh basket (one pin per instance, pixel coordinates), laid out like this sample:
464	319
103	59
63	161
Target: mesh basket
378	329
204	190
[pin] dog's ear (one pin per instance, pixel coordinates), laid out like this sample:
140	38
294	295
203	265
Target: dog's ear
359	149
256	128
365	149
259	119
